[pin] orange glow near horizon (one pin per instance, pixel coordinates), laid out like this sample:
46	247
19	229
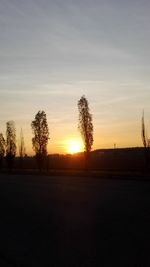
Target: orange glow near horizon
74	146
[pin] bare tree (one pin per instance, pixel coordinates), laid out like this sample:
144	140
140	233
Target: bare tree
85	125
2	149
41	136
146	142
21	148
10	143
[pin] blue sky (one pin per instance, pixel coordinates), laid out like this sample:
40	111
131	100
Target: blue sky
53	52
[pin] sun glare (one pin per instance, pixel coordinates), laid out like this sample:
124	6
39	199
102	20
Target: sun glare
74	146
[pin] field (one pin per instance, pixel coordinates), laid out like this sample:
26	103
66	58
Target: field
74	221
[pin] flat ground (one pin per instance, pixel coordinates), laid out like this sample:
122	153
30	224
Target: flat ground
74	221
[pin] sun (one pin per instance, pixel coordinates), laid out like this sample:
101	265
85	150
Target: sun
74	146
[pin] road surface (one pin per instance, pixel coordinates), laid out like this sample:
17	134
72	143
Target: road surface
73	221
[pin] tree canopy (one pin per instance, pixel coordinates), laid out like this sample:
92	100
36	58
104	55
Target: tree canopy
11	139
41	133
2	145
85	123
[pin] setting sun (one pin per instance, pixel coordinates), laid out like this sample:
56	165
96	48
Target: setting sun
74	146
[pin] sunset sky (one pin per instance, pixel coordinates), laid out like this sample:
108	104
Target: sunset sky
53	52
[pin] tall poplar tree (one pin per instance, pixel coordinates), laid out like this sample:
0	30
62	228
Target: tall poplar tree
41	136
85	125
11	147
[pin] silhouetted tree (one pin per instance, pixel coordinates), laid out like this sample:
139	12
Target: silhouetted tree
85	125
10	143
21	148
2	149
41	135
146	143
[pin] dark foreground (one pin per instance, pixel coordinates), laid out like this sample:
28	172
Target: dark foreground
76	221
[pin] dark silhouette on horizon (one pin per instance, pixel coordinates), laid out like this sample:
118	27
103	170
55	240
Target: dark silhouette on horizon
146	144
99	159
22	150
10	143
85	126
40	140
2	149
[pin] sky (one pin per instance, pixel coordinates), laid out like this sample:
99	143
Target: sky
53	52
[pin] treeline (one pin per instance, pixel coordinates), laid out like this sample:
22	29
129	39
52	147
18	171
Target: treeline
41	136
115	159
